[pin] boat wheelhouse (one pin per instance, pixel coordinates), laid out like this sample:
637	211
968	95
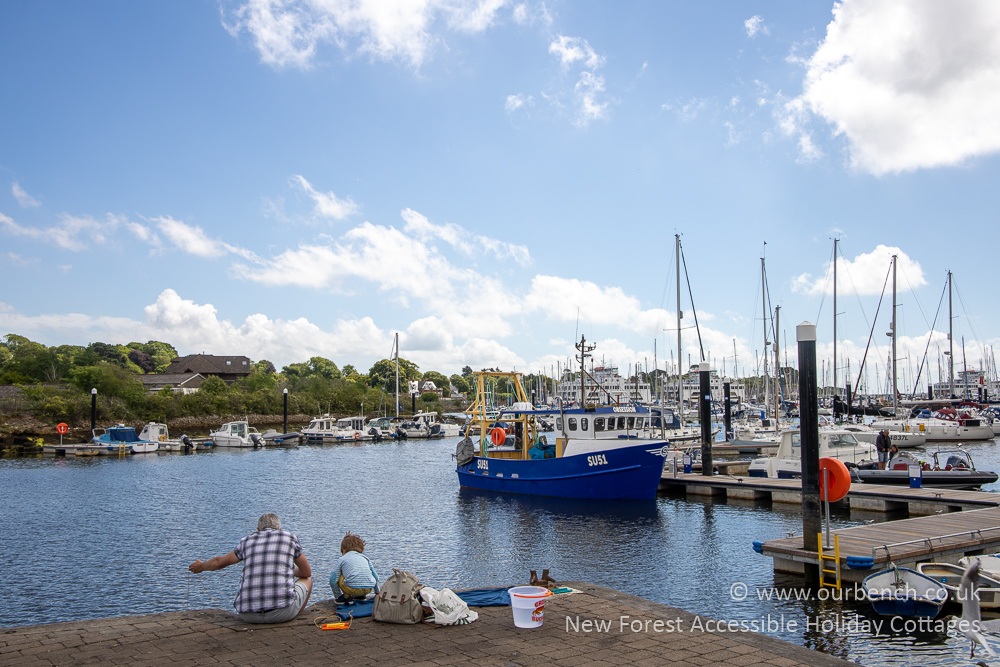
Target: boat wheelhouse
327	430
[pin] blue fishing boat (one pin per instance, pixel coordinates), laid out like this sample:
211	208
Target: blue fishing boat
900	591
122	439
601	452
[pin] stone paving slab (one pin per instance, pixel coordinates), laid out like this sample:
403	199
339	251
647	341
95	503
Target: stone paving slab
215	637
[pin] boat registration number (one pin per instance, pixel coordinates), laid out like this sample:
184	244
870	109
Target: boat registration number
597	460
482	464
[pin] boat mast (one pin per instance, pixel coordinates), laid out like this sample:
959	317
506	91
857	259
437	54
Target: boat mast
397	374
680	395
777	370
834	385
895	400
584	349
951	345
763	303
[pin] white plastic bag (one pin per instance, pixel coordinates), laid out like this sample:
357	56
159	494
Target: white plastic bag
449	609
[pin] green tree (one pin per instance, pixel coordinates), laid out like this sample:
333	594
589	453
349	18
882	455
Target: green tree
325	368
264	366
215	385
295	372
429	397
384	371
460	383
466	372
439	380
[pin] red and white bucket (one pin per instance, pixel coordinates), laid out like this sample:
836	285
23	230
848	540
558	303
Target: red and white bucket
528	603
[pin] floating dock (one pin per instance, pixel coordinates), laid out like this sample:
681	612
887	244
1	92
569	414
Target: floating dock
869	497
906	542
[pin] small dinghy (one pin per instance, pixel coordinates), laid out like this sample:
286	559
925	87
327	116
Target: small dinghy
900	591
989	564
950	576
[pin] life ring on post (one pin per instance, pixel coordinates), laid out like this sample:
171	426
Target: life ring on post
498	436
839	476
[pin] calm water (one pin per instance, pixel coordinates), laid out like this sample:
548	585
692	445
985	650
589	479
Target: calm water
102	536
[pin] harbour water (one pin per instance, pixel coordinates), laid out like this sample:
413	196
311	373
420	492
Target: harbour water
104	536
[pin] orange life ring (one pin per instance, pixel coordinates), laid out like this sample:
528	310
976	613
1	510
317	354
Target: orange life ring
498	436
357	436
839	476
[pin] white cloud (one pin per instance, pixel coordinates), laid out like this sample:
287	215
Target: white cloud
423	229
22	197
71	233
865	274
566	299
328	205
910	85
588	88
572	49
754	26
287	33
21	261
518	101
525	15
189	238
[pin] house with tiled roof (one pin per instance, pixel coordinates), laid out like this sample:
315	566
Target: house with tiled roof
229	369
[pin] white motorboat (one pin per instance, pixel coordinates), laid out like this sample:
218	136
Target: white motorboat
942	425
236	434
902	439
155	431
120	439
327	430
833	443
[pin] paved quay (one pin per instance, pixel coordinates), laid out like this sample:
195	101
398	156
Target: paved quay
215	637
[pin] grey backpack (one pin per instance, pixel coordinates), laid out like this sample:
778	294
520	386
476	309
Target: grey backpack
398	600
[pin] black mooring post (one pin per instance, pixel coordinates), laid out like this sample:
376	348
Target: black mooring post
848	399
812	523
93	410
285	430
414	403
930	392
705	415
728	414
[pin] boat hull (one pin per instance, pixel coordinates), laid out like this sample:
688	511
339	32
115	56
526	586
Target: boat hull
904	592
624	473
938	479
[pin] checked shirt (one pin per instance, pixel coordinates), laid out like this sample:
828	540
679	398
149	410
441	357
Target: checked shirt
268	580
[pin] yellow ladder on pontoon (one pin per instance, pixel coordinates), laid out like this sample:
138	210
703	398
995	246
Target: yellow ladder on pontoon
823	570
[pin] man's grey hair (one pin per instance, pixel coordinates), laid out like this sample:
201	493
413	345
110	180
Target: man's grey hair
269	521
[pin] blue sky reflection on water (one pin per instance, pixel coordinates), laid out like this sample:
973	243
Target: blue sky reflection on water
107	537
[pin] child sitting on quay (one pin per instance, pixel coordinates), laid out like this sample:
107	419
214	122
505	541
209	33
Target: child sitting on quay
353	576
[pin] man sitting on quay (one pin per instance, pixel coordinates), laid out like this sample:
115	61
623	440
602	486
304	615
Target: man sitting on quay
276	581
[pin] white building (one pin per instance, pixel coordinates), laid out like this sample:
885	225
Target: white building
609	388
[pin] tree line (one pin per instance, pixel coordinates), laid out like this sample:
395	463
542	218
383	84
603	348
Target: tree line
56	383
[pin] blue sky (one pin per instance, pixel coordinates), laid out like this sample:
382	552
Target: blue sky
492	179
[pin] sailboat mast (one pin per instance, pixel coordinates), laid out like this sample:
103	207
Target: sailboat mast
680	400
951	345
397	374
895	400
763	303
834	385
777	361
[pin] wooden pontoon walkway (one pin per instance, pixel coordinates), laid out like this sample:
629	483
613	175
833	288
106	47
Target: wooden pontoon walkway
872	497
944	537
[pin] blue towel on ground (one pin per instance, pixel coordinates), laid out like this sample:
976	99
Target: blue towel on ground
360	609
486	597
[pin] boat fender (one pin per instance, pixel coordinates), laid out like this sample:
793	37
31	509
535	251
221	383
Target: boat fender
758	546
839	479
860	562
465	452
